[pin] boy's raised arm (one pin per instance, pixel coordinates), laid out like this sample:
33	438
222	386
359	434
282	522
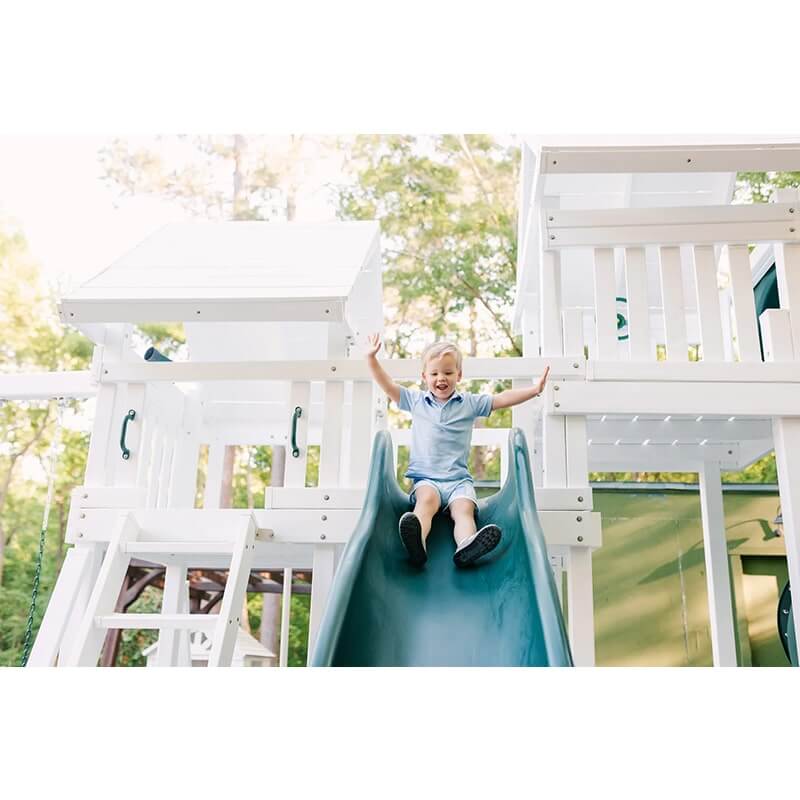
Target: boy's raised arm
513	397
380	375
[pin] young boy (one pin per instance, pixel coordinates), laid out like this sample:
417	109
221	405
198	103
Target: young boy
441	433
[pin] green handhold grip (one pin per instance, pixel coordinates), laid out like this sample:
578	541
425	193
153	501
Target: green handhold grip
129	417
298	412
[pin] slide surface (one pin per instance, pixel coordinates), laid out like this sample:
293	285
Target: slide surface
504	611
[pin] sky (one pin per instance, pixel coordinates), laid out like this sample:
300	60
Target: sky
75	224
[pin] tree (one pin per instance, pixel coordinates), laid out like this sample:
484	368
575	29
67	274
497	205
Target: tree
33	341
447	208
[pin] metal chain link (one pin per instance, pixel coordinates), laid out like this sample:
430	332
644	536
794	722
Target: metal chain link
53	454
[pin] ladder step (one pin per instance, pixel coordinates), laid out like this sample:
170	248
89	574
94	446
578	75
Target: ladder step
140	548
190	622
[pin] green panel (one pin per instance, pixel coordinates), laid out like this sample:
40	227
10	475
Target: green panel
503	612
651	603
765	293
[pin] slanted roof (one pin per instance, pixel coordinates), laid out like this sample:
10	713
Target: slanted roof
239	271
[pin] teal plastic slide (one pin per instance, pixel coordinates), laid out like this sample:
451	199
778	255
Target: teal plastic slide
503	611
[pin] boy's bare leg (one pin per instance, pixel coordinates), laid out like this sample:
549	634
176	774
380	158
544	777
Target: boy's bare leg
463	513
426	505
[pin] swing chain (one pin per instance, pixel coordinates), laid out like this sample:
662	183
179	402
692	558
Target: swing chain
26	646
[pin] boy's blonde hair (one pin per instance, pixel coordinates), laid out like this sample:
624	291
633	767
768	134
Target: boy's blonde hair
439	349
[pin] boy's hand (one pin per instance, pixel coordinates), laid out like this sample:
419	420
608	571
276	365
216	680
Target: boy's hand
374	345
542	381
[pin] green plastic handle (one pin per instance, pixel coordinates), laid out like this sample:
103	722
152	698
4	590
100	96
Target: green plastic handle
129	417
298	412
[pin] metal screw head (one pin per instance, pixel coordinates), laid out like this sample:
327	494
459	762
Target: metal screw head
580	538
791	211
688	160
552	236
550	219
575	365
791	230
556	388
83	516
324	517
333	369
580	519
86	497
557	405
580	499
326	497
80	536
322	536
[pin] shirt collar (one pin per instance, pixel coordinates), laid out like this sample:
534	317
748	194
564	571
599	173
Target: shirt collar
432	400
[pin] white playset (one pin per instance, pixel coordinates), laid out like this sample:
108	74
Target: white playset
626	254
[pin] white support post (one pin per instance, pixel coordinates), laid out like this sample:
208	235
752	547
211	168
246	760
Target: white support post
787	268
85	649
720	603
75	572
172	642
322	571
216	460
581	606
779	345
286	611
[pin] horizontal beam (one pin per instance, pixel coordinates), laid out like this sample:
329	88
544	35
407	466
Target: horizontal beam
663	398
689	158
333	370
687	431
294	528
713	233
157	309
660	458
47	385
703	371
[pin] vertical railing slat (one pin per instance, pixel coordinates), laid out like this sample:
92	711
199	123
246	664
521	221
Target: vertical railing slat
672	300
744	309
708	310
605	305
638	306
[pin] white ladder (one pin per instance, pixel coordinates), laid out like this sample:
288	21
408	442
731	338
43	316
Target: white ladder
237	538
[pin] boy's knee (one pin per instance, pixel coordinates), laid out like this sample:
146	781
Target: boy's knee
427	497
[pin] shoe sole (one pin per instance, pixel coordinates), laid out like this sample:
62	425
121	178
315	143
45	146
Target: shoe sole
487	539
411	536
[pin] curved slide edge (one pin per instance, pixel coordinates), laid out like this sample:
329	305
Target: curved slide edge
373	579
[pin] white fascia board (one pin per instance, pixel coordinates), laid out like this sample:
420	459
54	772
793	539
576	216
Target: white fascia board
751	157
74	312
693	371
566	369
673	397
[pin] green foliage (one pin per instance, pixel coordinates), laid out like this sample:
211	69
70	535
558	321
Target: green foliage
133	642
757	187
447	208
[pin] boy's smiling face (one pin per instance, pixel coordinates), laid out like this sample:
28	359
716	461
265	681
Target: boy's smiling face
441	375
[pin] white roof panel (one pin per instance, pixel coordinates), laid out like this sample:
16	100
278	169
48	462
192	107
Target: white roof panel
244	262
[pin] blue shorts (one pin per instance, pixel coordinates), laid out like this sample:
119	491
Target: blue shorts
448	490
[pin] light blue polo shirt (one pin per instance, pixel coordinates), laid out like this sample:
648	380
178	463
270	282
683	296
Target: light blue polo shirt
441	434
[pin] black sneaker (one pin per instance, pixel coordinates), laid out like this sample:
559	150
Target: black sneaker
484	541
411	536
